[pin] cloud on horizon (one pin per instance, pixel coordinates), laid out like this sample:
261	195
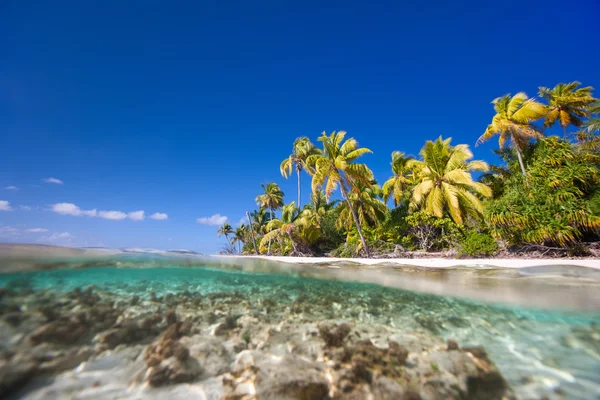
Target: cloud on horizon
115	215
11	188
71	209
6	231
62	236
5	205
36	230
25	208
53	180
159	216
136	215
213	220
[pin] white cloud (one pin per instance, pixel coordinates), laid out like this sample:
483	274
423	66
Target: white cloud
159	216
136	215
36	230
72	209
8	231
62	235
114	215
5	205
25	208
11	188
53	180
216	220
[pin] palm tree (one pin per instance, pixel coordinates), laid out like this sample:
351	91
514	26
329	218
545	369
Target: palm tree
240	235
567	104
272	199
301	150
404	177
593	125
251	229
368	207
588	139
513	120
310	219
259	218
446	184
284	227
226	230
335	167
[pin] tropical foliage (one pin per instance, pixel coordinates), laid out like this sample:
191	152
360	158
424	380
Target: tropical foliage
544	192
335	167
513	122
301	150
567	105
555	208
446	185
404	177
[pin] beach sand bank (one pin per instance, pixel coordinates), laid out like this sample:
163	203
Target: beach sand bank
436	262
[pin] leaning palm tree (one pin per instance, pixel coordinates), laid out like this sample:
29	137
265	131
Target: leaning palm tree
446	184
259	219
567	104
226	230
404	177
301	150
271	199
369	208
513	121
336	167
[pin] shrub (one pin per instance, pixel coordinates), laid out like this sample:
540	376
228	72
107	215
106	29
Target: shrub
432	233
476	244
552	206
346	250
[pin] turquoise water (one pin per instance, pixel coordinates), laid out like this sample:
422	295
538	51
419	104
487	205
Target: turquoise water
540	352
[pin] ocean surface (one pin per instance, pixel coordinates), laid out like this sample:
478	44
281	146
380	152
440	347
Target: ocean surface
540	327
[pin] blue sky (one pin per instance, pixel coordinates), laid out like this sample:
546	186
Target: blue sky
185	108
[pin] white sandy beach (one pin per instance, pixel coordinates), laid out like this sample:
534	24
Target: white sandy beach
438	262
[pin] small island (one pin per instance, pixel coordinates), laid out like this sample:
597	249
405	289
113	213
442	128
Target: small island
543	201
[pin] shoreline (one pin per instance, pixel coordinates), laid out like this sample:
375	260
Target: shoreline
515	263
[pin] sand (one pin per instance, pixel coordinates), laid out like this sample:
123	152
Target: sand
437	262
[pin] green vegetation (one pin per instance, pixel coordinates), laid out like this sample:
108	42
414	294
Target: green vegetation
545	193
477	244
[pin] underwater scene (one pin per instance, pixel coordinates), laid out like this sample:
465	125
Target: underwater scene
157	326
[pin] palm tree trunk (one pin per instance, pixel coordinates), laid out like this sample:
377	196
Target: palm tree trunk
269	249
356	221
565	133
252	232
518	149
299	189
293	244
